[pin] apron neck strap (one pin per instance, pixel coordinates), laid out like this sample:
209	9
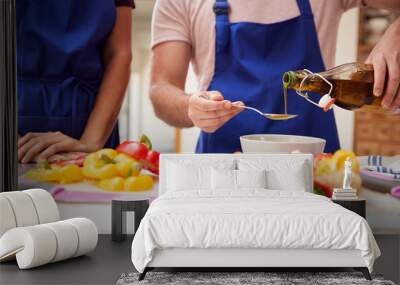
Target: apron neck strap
305	8
221	10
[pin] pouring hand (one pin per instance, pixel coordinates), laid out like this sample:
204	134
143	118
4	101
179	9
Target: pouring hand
385	57
209	111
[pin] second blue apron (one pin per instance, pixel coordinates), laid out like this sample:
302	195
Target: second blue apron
60	67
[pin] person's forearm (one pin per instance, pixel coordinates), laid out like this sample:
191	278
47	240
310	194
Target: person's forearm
108	101
171	104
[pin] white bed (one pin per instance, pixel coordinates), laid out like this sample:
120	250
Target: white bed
248	227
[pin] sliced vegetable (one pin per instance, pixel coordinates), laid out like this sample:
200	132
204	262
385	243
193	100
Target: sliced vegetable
132	183
70	173
322	188
142	152
65	174
139	183
146	141
127	166
152	161
62	159
100	165
137	150
339	158
112	184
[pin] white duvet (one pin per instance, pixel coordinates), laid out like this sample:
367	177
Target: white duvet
250	219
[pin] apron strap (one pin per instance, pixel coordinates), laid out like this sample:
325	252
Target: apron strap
305	8
221	10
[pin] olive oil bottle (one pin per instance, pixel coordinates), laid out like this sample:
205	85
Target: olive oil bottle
351	85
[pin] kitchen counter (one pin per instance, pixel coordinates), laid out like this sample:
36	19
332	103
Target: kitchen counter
99	211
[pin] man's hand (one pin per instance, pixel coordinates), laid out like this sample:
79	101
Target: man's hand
39	146
209	111
385	58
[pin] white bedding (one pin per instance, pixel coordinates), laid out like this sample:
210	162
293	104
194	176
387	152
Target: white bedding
250	219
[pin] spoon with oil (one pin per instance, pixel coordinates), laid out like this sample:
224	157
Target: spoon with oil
275	117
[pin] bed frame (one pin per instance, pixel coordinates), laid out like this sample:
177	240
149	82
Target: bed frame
242	259
246	259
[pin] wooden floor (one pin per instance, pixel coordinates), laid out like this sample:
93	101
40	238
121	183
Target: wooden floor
110	260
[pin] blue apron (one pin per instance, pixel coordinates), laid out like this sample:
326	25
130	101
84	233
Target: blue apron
250	61
60	68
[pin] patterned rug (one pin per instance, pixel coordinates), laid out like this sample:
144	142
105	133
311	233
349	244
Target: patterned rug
253	278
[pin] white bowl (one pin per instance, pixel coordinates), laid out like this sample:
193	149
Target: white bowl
281	144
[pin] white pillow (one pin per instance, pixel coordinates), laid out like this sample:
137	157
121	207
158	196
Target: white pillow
193	174
223	179
183	177
251	178
285	174
226	179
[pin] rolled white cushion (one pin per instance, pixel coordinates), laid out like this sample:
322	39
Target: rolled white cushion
33	246
45	205
37	245
67	240
7	218
87	235
23	208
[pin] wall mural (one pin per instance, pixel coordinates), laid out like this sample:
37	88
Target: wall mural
58	85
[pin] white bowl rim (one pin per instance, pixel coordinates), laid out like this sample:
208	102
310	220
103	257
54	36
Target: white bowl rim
312	140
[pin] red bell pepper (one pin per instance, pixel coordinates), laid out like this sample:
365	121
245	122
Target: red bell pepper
137	150
152	161
62	160
142	151
321	188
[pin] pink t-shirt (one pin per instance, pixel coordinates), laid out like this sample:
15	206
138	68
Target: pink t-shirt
193	22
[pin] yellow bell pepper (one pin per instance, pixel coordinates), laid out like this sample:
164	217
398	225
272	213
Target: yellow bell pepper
42	174
113	184
339	157
132	183
65	174
100	165
139	183
127	166
70	173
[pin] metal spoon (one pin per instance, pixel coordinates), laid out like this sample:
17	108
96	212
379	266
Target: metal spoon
275	117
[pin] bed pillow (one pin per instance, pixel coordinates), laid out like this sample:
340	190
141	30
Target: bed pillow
251	178
185	175
226	179
223	179
288	175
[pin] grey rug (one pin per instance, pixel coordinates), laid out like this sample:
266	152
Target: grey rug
243	278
